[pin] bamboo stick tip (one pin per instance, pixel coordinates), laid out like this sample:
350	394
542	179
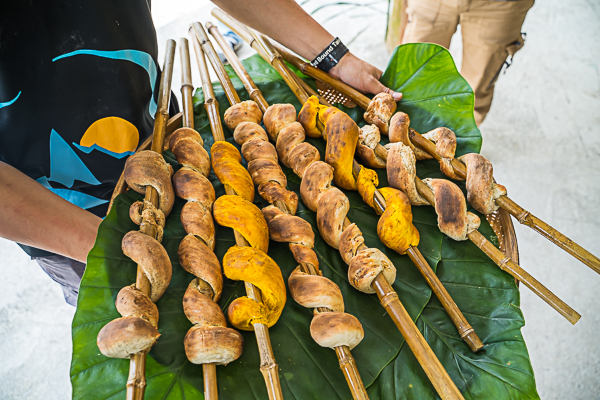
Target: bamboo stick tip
208	25
574	317
473	341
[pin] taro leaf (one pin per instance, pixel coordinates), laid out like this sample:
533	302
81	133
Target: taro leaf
487	296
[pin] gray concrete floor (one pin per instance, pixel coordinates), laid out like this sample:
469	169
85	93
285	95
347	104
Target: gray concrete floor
540	135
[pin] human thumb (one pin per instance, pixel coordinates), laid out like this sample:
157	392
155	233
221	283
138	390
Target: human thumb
377	87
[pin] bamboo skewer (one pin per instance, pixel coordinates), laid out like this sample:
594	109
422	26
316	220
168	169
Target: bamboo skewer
268	367
499	258
388	297
345	358
523	216
209	370
136	382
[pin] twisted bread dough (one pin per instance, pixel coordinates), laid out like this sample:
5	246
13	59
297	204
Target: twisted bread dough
395	228
148	168
402	172
188	147
256	267
482	191
399	129
453	218
341	134
239	214
250	264
328	329
152	258
242	112
380	110
368	138
445	146
226	162
137	330
209	340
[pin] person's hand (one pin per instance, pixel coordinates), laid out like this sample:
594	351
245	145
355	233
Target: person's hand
361	75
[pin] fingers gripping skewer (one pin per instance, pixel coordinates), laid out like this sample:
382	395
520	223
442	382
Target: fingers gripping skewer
209	342
146	172
314	129
248	260
370	270
331	327
454	168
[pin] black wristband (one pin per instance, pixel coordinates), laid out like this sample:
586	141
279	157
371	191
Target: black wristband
330	56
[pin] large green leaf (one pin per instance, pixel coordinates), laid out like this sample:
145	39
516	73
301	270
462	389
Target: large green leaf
487	296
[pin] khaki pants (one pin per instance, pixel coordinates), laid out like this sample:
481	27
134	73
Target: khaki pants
491	31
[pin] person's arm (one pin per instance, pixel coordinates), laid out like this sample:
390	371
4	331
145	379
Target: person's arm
286	22
34	216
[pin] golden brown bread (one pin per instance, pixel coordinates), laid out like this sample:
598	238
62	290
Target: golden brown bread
331	212
239	214
341	133
199	260
402	172
316	181
131	302
208	340
277	117
188	147
445	147
254	266
482	191
213	344
380	110
288	228
148	168
399	133
262	157
152	258
334	329
289	137
249	131
123	337
272	192
265	170
246	111
368	138
350	241
312	291
365	267
451	209
227	164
